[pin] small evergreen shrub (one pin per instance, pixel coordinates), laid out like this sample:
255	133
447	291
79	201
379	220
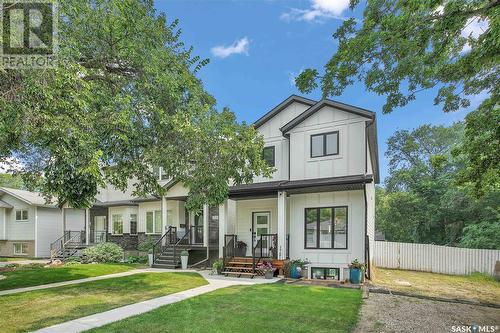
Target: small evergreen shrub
104	253
147	245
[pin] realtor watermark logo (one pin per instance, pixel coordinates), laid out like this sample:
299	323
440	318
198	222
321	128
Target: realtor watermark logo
28	32
474	328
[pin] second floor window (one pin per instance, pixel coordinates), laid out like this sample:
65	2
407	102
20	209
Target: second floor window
22	215
133	224
325	144
268	155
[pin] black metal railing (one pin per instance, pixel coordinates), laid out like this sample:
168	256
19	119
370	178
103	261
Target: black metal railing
167	239
265	247
184	240
69	238
287	254
229	249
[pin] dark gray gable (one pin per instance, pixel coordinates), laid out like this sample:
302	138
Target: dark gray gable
280	107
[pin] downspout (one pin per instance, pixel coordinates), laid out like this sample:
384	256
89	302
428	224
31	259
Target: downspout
367	247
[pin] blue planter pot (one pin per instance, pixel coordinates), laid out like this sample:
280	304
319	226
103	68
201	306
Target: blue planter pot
294	272
355	275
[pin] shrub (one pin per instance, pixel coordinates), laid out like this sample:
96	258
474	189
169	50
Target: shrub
137	259
104	252
217	266
147	245
74	258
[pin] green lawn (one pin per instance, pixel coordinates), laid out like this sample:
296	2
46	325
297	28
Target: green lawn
7	259
258	308
478	287
33	310
27	277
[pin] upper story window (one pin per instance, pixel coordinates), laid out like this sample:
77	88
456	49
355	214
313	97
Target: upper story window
268	155
325	144
159	173
22	215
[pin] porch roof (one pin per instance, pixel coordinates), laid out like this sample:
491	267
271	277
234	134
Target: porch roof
3	204
344	183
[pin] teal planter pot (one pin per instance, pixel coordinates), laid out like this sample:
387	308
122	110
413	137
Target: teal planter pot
355	275
294	272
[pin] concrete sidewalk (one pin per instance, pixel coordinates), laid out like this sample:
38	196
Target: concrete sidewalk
103	318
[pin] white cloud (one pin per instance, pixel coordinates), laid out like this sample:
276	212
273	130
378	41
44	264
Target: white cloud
320	9
474	27
240	46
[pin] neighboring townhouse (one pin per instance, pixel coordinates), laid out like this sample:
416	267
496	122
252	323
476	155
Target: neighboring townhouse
28	224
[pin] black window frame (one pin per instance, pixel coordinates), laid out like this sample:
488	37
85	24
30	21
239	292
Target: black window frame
274	155
130	224
324	135
324	273
317	247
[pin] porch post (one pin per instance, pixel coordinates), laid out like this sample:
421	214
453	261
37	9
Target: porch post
87	226
223	222
164	209
206	212
282	225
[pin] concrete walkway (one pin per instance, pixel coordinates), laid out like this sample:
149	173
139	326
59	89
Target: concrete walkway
103	318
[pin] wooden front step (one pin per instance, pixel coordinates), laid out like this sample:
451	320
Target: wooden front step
239	273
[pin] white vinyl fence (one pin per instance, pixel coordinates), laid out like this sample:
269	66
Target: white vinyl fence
434	258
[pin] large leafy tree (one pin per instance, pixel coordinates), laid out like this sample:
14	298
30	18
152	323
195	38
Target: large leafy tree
422	201
403	47
123	97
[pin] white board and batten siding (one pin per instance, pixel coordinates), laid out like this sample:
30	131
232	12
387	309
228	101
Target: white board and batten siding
435	258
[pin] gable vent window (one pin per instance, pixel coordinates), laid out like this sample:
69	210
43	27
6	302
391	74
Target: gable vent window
325	144
268	155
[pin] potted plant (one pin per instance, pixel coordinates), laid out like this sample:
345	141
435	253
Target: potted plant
217	266
356	269
241	249
184	259
297	266
268	269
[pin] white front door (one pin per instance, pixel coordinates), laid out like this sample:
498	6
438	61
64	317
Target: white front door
261	226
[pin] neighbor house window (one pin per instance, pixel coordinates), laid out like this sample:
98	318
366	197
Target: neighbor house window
22	215
325	144
133	224
322	273
21	248
117	224
153	222
326	228
268	155
159	173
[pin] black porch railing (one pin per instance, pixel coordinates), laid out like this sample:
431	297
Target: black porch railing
167	239
265	247
229	249
69	238
287	254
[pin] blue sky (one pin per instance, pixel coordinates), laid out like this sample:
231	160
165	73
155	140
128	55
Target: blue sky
257	47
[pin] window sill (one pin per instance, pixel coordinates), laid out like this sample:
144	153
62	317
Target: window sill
324	158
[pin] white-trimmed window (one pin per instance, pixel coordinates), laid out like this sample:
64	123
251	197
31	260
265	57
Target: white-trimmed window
117	224
21	248
21	215
153	222
133	224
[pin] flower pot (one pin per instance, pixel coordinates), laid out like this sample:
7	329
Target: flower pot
295	272
184	262
269	274
150	259
355	275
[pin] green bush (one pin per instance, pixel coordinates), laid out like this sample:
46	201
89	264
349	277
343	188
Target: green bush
104	252
137	259
147	245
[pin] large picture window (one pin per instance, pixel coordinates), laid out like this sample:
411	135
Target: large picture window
325	144
153	222
268	155
326	228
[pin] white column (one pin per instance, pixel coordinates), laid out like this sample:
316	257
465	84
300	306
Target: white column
87	226
164	209
223	222
36	231
205	225
282	225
